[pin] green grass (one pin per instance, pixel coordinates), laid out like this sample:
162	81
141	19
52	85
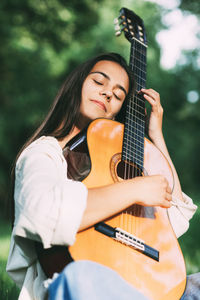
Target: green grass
8	290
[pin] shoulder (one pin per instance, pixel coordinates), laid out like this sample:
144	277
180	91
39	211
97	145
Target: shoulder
44	148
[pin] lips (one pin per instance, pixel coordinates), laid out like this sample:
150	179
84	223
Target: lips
100	104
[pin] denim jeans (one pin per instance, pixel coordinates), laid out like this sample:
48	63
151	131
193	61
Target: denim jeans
192	291
86	280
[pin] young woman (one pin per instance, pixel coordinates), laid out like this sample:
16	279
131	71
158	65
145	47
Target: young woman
51	209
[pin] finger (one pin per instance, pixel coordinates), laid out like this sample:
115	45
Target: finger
155	104
169	190
168	197
166	204
152	93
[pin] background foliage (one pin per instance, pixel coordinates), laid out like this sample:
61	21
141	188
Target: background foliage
41	41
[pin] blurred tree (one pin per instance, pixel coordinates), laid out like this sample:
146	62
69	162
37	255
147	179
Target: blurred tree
190	5
39	42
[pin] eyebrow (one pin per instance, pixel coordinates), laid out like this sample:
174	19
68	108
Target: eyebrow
107	77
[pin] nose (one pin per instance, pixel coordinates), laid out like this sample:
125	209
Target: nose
107	95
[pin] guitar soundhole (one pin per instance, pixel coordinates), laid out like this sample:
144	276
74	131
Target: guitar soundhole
127	170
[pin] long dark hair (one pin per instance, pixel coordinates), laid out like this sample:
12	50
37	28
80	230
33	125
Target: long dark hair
65	109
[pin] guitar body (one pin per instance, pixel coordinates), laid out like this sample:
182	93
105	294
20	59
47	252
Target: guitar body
158	280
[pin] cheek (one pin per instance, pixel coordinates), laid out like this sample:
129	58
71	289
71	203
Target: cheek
88	90
116	108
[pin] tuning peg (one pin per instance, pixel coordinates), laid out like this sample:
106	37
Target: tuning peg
118	33
116	21
117	27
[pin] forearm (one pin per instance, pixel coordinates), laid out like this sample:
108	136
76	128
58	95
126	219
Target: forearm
107	201
159	142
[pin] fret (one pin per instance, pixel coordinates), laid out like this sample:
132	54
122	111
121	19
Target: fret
139	98
140	123
139	74
138	55
137	149
132	154
139	79
138	64
133	145
140	86
138	48
136	119
139	42
134	132
137	109
132	159
134	127
134	138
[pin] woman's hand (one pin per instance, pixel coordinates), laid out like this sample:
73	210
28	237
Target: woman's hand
152	191
156	116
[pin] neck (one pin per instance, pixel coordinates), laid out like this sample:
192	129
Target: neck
66	139
81	123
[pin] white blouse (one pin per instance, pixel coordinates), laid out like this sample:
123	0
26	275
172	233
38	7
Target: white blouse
49	208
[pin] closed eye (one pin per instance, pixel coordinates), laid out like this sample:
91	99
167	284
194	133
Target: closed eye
97	82
118	98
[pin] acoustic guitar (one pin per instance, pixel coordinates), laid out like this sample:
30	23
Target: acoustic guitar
138	243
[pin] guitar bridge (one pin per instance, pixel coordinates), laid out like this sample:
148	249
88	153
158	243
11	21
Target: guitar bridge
127	239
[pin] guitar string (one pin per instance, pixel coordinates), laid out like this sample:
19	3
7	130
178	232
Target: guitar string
134	120
127	142
131	107
142	84
128	165
137	133
136	126
134	112
128	122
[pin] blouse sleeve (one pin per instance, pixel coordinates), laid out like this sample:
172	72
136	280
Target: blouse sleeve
49	207
180	214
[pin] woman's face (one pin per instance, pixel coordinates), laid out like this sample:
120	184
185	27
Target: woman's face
104	91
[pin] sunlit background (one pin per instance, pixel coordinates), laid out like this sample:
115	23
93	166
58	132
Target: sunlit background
42	41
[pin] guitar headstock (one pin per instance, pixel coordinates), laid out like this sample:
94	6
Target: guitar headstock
131	24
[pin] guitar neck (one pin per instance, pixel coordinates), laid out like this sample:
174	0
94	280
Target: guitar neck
134	130
138	63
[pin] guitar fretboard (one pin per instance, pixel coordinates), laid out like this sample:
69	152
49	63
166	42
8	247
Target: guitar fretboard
134	130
